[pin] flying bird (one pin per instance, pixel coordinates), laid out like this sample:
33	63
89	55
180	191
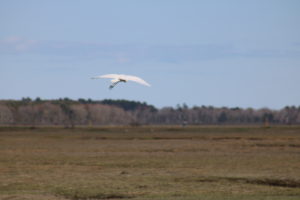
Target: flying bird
117	78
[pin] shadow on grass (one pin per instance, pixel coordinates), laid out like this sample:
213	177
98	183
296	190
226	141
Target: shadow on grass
89	194
258	181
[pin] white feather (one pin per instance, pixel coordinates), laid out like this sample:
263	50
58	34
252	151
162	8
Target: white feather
121	77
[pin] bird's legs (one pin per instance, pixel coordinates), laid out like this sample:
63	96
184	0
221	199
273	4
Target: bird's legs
115	83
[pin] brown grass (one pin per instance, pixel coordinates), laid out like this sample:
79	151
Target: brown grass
150	163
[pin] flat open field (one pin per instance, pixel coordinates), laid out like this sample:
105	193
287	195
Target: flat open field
168	163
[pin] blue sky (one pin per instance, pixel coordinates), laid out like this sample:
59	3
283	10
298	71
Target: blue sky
220	53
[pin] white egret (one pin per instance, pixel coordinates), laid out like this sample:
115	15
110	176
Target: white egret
117	78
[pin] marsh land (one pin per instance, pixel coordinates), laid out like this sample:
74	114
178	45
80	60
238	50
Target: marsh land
151	162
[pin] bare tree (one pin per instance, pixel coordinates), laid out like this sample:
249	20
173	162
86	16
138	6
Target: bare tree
6	116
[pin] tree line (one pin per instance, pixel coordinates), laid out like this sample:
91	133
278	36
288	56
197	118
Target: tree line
82	112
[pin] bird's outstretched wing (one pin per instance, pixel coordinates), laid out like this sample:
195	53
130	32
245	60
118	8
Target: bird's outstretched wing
135	79
113	76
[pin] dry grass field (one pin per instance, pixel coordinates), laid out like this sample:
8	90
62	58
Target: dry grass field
167	163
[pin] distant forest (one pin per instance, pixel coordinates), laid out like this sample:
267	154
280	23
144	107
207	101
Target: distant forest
82	112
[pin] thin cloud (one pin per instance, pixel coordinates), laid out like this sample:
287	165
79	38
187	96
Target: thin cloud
136	53
16	44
